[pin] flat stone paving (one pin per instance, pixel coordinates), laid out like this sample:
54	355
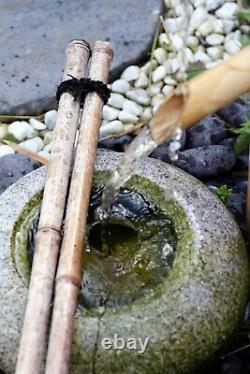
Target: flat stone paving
34	34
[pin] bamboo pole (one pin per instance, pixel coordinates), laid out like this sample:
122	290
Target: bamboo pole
48	237
202	95
69	273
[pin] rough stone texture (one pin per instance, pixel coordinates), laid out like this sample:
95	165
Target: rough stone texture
188	317
13	167
34	34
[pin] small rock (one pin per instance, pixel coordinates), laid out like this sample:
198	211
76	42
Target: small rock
232	46
20	130
139	95
132	107
3	130
109	113
167	90
206	161
116	100
174	65
170	81
158	74
146	115
236	203
131	73
160	54
240	184
48	137
142	81
242	161
173	24
5	150
155	89
202	57
206	28
215	53
228	25
13	167
162	151
199	15
212	5
192	41
229	142
128	117
44	154
218	25
113	127
149	66
176	42
235	114
215	39
35	144
189	55
157	99
120	86
163	40
116	144
227	11
50	119
47	147
209	131
37	125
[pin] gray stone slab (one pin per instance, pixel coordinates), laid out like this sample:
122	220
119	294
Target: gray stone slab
34	34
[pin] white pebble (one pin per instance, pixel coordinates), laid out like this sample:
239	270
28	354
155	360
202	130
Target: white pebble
198	3
50	119
199	15
176	42
215	53
35	144
206	28
44	154
232	46
173	24
116	100
47	148
20	130
158	74
154	89
149	66
132	107
48	137
174	65
37	125
189	55
215	39
167	90
139	95
3	130
228	26
163	40
127	117
156	107
131	73
109	113
142	81
170	81
192	41
146	115
218	25
160	54
5	150
120	86
157	99
202	56
227	11
213	4
110	128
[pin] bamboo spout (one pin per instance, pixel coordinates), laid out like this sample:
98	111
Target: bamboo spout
202	95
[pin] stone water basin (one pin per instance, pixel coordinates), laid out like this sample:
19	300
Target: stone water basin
174	270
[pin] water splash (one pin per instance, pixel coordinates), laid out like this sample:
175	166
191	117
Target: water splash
139	149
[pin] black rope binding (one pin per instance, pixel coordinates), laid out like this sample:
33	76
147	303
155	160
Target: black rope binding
79	88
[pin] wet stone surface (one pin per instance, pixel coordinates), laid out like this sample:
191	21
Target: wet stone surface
33	37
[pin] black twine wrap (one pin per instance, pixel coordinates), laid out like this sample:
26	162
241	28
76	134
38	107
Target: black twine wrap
79	88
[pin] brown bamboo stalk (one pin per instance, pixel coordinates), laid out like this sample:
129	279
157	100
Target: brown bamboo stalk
202	95
33	340
69	273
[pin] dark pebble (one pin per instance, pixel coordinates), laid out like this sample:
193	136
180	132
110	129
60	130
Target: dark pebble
209	131
236	204
241	161
13	167
116	144
161	152
229	142
235	113
240	184
206	161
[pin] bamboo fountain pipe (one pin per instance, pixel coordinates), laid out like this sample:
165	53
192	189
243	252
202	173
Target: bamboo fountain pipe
202	95
69	273
48	238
